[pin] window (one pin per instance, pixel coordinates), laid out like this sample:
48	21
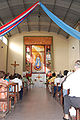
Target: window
3	39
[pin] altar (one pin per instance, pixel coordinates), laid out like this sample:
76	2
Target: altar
39	80
38	59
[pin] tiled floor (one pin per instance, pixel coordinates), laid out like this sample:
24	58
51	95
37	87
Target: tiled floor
37	105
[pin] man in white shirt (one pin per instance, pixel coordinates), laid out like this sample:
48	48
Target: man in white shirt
19	81
57	80
73	84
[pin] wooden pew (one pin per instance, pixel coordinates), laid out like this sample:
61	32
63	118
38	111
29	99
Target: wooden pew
58	96
13	94
10	94
61	97
25	88
5	99
57	93
17	91
77	113
53	88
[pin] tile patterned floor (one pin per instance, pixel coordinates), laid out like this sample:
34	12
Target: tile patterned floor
37	104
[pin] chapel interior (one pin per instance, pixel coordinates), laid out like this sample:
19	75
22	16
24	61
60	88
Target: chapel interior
36	46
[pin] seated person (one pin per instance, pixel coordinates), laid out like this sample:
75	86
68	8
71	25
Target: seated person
57	80
49	73
53	77
3	94
49	84
66	74
21	91
6	77
73	84
63	79
19	81
52	80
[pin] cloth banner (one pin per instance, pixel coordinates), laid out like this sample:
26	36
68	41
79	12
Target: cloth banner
16	21
61	24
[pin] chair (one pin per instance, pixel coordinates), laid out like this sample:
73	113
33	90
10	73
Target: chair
12	94
4	99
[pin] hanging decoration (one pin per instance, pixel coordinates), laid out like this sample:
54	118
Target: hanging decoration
16	21
61	24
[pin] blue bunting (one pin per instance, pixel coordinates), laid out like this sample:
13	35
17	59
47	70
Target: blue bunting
61	24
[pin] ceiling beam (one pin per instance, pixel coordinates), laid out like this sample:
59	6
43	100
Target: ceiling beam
65	15
27	17
12	14
53	12
39	18
79	25
2	23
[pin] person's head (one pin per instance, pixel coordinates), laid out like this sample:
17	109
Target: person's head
77	64
11	77
2	75
65	72
6	76
16	75
50	77
54	74
58	76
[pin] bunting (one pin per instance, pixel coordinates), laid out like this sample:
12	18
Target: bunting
61	24
16	21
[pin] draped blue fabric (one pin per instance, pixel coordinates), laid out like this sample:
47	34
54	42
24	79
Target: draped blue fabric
61	24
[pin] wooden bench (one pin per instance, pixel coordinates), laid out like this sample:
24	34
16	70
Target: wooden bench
14	94
5	99
57	93
25	87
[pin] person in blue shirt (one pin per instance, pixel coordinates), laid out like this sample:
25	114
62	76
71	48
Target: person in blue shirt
6	77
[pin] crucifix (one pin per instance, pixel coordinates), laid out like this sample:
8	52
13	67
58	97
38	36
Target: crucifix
15	64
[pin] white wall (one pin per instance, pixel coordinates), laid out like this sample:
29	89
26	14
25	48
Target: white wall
74	51
3	55
60	45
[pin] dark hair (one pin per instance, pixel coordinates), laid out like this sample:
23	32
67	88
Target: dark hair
65	72
11	77
54	74
58	76
62	76
50	77
2	75
6	75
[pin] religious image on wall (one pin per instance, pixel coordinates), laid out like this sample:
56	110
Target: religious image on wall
38	61
28	59
48	58
38	58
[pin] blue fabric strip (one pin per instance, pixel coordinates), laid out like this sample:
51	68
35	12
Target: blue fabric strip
61	24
